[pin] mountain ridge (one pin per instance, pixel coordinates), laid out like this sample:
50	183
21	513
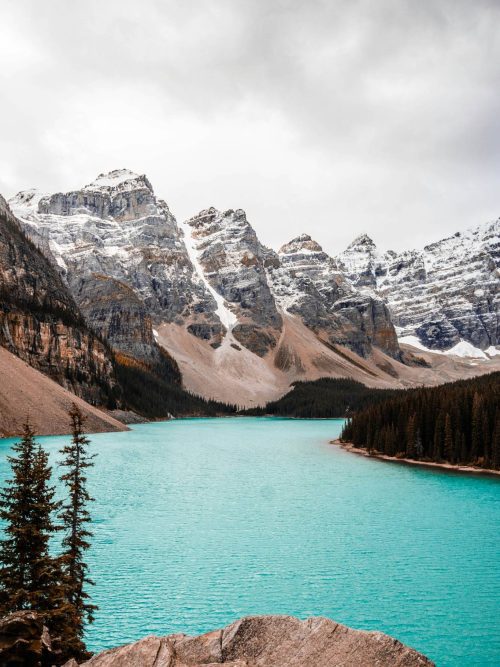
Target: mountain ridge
221	303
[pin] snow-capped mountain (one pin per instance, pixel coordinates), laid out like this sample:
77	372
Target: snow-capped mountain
40	322
444	294
116	228
242	320
210	273
307	283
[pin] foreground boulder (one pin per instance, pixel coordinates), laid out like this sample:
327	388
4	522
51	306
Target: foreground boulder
267	641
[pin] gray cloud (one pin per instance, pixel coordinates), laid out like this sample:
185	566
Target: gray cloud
330	117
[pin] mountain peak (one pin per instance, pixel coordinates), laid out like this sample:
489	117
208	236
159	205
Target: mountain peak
363	240
123	179
302	243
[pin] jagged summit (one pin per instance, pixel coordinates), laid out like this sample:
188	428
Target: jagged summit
208	215
302	243
443	294
360	241
26	201
121	179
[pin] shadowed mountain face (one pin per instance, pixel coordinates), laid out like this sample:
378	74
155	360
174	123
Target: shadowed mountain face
40	321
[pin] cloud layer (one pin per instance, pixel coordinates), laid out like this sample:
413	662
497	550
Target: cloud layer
330	117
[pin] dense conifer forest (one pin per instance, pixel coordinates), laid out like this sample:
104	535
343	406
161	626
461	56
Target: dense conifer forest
156	392
458	423
322	399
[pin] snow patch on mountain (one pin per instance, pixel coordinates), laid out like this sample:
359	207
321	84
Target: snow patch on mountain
225	314
466	350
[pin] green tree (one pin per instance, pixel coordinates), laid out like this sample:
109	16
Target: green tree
495	442
411	436
476	427
75	518
29	576
448	439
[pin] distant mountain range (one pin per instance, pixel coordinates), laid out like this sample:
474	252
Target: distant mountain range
240	321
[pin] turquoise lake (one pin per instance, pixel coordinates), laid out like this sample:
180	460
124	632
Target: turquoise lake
201	521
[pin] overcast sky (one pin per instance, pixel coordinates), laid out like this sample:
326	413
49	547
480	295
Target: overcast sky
328	117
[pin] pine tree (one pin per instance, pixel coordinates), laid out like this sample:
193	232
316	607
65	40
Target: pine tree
75	518
411	436
495	442
438	437
448	439
476	427
29	576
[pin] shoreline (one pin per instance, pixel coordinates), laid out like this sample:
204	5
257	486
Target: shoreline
448	467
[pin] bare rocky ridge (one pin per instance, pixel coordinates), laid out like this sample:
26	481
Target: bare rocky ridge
267	641
445	293
308	283
243	321
233	262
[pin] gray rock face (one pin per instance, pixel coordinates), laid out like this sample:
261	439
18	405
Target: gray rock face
267	641
307	283
120	195
210	274
116	313
40	321
447	292
233	262
116	227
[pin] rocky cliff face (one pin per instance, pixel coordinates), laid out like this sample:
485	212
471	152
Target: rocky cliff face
233	263
222	301
40	322
267	641
445	293
210	274
307	283
116	227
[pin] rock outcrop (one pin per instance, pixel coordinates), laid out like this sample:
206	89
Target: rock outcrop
233	263
24	641
307	283
40	321
267	641
445	293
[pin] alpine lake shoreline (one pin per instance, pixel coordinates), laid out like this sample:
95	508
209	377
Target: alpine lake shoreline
445	467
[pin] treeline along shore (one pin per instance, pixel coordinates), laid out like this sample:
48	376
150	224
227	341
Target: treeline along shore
456	424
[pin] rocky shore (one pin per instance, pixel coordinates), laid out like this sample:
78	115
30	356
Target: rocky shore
254	641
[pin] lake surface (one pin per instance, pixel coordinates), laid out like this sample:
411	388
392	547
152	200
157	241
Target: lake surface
201	521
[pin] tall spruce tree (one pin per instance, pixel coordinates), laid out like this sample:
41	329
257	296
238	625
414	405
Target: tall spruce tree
75	518
495	441
448	440
29	576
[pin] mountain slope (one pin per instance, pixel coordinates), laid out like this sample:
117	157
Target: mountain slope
40	322
445	293
24	391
